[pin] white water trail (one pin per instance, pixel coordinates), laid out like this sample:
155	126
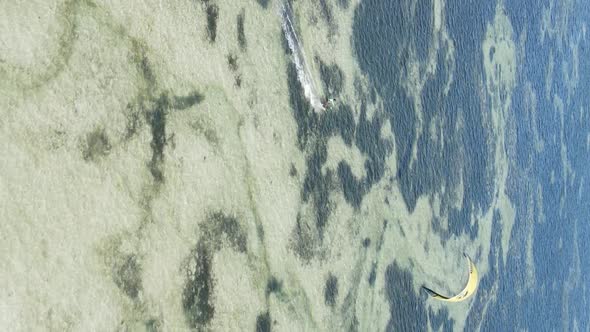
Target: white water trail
303	73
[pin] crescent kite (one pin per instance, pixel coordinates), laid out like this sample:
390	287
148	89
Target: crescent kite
469	289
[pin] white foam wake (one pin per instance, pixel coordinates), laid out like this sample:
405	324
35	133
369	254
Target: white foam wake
303	73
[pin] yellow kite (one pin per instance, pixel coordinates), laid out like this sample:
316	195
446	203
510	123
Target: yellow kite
469	289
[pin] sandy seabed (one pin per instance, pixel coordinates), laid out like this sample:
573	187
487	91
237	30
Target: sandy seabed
151	177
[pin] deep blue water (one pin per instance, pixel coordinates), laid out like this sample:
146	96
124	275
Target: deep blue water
385	34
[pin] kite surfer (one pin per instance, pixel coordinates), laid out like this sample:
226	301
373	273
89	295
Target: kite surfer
328	102
469	289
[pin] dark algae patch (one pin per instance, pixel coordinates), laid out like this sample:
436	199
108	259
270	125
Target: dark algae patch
184	102
201	128
157	122
326	11
317	186
331	290
408	311
293	171
263	3
127	276
221	228
332	77
339	122
343	4
212	12
273	285
372	275
134	122
232	62
97	145
240	28
153	325
197	301
263	322
351	186
139	52
304	239
156	119
197	297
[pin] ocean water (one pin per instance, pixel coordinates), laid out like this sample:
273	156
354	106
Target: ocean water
170	166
